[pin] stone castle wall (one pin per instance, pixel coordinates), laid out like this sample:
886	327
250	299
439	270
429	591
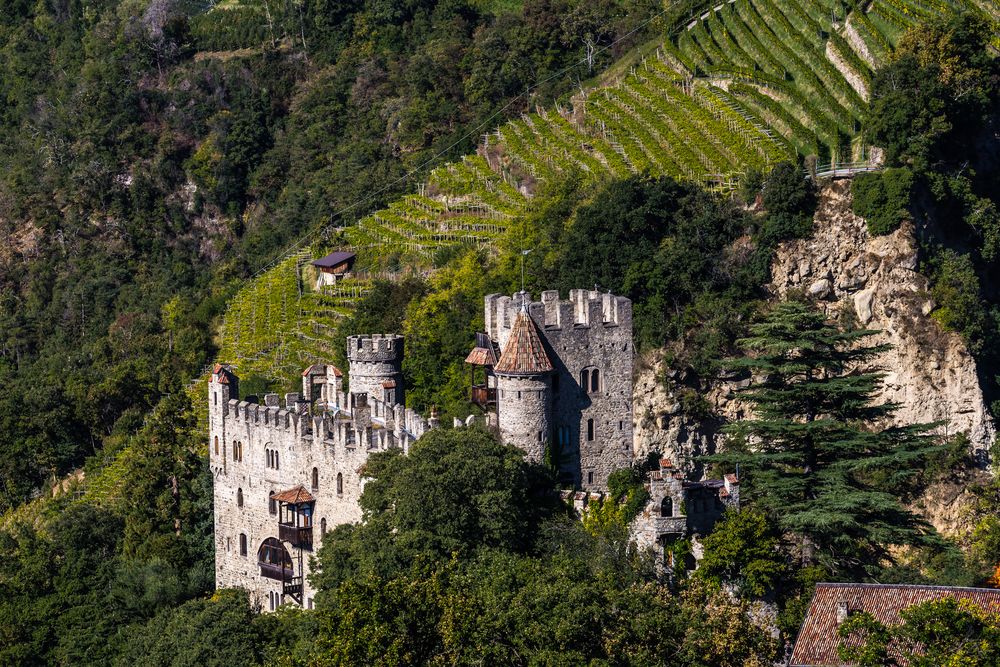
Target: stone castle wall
525	407
375	361
256	450
592	429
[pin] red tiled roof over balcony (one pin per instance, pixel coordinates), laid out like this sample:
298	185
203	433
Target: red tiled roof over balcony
295	496
816	645
523	354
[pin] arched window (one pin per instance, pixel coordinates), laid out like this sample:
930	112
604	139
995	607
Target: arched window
274	560
315	479
234	449
322	526
241	450
585	379
595	381
340	483
276	466
239	497
590	430
667	507
216	445
243	544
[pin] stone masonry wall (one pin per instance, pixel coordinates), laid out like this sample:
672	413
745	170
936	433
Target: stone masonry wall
523	407
589	331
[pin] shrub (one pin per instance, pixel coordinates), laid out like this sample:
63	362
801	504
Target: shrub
883	199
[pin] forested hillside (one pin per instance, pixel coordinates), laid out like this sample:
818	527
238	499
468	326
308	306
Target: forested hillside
169	167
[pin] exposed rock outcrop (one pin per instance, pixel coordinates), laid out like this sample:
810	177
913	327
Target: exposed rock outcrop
929	372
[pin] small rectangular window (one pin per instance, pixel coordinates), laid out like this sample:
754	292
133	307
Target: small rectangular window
590	478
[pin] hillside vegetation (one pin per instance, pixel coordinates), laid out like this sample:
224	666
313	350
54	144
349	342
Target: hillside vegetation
168	169
729	93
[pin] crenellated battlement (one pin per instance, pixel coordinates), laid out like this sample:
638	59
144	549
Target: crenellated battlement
583	308
375	348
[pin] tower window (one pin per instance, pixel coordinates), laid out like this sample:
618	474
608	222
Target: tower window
590	477
667	507
595	381
340	483
315	479
216	445
215	398
243	544
322	526
585	379
590	430
272	504
621	425
239	497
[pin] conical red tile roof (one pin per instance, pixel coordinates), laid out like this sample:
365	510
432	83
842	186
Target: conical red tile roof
523	354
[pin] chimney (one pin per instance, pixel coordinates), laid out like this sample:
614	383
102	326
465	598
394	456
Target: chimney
843	611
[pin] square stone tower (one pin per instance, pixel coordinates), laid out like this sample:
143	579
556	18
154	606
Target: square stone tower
587	415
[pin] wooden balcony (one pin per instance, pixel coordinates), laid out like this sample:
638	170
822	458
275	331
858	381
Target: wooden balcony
298	536
293	588
275	571
482	395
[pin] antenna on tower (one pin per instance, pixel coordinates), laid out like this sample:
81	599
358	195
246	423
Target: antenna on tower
524	253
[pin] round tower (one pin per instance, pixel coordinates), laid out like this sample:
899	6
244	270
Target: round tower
376	366
524	389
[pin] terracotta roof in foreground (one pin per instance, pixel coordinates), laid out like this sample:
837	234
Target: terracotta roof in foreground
294	496
523	354
816	645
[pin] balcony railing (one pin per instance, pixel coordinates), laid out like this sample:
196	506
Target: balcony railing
301	536
483	395
276	571
292	587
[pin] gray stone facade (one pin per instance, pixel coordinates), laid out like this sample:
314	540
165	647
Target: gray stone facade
318	441
377	366
525	403
588	418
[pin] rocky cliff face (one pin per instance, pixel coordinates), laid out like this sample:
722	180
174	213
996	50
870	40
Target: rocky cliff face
850	274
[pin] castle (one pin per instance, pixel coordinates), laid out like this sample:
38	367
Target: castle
553	377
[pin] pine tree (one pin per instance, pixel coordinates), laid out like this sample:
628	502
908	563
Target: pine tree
814	454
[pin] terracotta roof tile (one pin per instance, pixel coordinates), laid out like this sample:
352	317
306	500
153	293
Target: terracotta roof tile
523	354
484	353
816	645
294	496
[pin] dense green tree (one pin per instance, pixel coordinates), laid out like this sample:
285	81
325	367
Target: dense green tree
813	452
216	631
789	201
930	103
743	550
